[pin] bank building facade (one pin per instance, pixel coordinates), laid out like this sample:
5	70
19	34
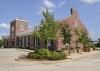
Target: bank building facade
21	36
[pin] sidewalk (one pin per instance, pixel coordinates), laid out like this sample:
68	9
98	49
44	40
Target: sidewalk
82	55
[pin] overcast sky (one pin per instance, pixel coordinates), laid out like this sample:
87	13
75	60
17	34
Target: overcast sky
89	12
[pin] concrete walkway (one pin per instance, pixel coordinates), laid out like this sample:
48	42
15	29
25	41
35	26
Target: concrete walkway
91	62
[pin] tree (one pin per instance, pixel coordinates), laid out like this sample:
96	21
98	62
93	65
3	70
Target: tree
86	41
77	34
1	42
66	33
48	29
83	38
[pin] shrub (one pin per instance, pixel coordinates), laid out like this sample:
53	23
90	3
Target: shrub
39	54
34	55
57	56
46	54
43	51
90	45
31	55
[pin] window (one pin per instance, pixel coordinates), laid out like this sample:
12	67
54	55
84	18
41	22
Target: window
22	25
12	29
36	41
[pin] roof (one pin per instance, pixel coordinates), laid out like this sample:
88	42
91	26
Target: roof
21	20
72	21
6	37
17	19
69	20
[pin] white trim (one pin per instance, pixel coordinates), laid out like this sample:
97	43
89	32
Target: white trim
21	20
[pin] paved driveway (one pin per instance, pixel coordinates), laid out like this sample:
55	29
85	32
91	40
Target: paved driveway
8	63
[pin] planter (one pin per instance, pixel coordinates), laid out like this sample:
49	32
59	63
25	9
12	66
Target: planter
72	50
66	51
79	50
86	49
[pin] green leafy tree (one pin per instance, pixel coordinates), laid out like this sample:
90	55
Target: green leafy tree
83	38
76	30
48	29
66	34
86	41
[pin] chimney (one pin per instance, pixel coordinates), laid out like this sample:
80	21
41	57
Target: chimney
73	12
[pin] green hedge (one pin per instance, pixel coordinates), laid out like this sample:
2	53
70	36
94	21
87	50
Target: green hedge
57	56
46	54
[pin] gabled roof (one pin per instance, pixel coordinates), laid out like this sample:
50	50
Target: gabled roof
74	19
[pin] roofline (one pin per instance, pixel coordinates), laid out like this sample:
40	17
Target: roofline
20	20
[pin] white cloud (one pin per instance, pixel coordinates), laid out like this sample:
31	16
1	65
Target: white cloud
62	4
50	5
90	1
46	4
4	25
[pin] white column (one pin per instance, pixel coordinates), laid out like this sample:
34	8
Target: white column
35	41
26	41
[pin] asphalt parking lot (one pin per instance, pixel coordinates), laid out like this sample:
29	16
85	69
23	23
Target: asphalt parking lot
8	63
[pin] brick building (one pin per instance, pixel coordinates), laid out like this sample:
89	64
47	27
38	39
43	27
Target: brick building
21	35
